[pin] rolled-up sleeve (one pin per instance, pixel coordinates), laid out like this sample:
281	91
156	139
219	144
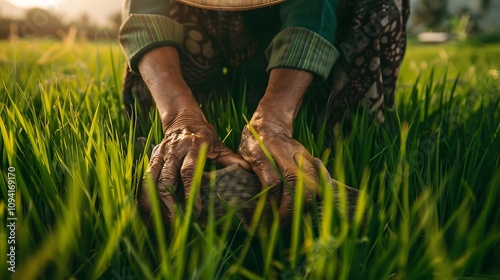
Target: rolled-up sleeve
146	26
306	38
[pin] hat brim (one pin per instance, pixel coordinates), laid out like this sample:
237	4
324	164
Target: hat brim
230	5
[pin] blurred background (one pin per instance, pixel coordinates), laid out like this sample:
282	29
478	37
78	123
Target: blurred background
58	19
432	21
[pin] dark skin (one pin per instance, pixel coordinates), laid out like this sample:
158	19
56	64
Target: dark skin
186	129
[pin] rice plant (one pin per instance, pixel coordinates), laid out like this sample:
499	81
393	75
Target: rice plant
432	172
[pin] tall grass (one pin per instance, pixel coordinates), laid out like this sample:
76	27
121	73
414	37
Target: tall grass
432	171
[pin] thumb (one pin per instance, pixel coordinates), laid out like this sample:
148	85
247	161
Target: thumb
225	157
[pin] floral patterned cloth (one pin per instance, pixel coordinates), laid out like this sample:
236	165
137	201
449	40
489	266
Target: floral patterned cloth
370	40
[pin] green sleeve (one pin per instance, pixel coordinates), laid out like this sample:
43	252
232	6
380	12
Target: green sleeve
146	26
306	38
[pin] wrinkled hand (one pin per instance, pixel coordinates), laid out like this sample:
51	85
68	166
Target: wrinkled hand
173	161
286	153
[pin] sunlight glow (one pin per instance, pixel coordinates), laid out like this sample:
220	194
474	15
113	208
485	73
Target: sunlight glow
35	3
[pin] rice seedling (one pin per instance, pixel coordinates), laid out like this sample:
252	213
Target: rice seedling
432	173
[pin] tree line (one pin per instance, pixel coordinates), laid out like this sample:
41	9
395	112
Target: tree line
38	22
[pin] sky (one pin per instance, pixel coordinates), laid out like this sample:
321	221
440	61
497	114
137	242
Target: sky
98	10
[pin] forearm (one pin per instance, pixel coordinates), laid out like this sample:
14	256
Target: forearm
146	26
161	71
283	98
301	52
306	38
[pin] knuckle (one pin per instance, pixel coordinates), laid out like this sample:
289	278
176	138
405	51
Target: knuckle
187	172
158	149
155	150
218	150
310	172
165	182
290	176
155	160
274	182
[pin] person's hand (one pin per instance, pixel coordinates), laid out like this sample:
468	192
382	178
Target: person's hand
272	123
173	163
289	156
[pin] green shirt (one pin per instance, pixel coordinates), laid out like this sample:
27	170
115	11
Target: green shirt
304	42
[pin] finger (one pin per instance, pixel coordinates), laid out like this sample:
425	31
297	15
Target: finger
156	162
152	173
286	205
289	171
269	178
167	184
307	164
144	204
225	157
187	174
321	169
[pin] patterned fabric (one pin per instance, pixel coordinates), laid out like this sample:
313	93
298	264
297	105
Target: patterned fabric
370	40
230	5
136	38
372	43
297	47
213	40
303	43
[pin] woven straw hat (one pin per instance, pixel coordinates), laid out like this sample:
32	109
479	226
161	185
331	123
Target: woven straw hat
230	5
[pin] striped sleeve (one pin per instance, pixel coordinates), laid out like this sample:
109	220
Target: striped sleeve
301	48
140	33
